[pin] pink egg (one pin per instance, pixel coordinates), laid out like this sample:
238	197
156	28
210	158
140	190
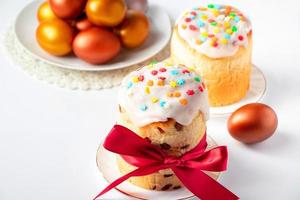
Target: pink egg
140	5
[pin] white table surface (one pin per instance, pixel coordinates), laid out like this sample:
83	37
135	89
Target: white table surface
49	135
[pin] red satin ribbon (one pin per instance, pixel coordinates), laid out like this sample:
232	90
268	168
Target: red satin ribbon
188	168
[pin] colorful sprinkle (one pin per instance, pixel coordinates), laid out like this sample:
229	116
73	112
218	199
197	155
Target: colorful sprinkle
202	8
162	78
236	19
227	24
129	84
234	29
204	34
183	101
150	83
214	44
227	36
213	23
154	100
190	92
210	6
154	72
197	79
185	71
188	20
162	103
162	69
147	90
241	38
173	84
170	94
192	68
174	72
183	26
232	14
141	78
143	107
160	83
204	17
216	30
224	41
177	94
200	88
198	42
200	23
211	35
135	79
193	28
210	20
194	13
229	31
181	82
216	12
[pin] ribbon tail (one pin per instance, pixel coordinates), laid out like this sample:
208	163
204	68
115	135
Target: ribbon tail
137	172
202	185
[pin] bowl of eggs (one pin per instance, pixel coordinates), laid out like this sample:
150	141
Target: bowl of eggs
93	35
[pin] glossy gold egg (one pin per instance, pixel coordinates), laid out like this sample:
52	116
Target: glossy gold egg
252	123
45	12
106	12
134	30
55	37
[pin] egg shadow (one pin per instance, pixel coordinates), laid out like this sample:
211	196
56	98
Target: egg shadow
274	145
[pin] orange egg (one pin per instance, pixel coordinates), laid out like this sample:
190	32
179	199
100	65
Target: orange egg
83	24
45	12
67	9
252	123
55	37
134	30
96	45
106	12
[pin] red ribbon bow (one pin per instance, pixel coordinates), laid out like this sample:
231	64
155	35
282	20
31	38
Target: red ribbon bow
188	168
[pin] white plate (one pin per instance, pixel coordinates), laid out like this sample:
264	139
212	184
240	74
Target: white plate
107	164
256	91
26	24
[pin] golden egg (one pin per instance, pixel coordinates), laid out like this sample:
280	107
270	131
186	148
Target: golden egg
134	30
106	12
45	12
55	37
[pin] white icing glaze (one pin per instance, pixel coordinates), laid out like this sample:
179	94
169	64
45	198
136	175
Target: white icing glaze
161	102
216	46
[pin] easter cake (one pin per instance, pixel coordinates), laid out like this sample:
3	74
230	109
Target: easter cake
167	105
217	41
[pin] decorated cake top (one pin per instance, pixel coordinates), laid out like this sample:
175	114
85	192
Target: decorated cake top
215	31
160	91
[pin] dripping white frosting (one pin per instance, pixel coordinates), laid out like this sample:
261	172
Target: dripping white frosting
157	92
216	30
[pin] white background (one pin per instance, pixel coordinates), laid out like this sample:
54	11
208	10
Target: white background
49	136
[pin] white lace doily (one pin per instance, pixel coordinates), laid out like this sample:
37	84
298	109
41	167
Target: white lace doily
66	78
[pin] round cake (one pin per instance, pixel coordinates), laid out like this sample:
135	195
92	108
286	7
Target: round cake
167	105
217	41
